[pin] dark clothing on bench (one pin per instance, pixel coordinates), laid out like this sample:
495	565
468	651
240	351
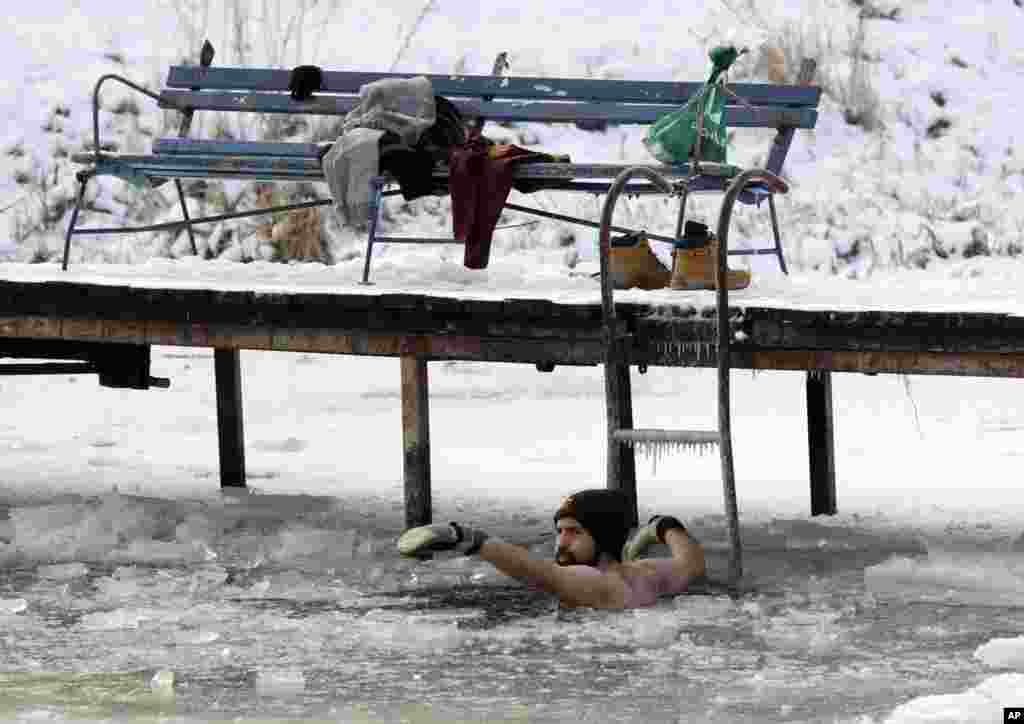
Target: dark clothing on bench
413	166
480	178
304	80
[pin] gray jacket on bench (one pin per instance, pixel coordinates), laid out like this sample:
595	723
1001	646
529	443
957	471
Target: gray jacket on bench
404	107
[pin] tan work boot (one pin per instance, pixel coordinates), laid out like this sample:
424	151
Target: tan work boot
694	261
631	263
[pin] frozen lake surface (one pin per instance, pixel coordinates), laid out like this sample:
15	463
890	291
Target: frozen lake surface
120	557
121	561
297	607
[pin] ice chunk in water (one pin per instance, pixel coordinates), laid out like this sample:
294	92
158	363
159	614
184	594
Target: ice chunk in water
196	638
1003	653
121	618
260	588
197	527
280	682
162	683
415	634
813	631
11	606
981	579
208	578
123	583
64	571
655	629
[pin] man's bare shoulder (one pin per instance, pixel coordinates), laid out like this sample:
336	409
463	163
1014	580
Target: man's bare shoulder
643	567
590	586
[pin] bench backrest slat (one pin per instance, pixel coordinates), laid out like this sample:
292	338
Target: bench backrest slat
617	91
198	146
540	111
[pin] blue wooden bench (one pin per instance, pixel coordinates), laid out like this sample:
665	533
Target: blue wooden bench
515	99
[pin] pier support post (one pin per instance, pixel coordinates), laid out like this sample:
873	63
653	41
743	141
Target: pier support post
228	375
821	442
621	457
416	441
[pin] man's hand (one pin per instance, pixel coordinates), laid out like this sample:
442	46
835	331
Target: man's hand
426	539
645	536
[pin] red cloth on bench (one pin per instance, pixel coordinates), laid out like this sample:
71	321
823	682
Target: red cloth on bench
480	177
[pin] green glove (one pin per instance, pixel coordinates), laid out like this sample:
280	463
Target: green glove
653	532
426	539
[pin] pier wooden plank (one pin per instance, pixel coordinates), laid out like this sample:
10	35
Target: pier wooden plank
960	364
512	330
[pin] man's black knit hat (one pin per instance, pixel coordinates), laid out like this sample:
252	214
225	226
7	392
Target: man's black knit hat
604	514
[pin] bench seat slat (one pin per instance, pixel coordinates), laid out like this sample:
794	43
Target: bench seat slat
539	111
584	178
619	91
171	165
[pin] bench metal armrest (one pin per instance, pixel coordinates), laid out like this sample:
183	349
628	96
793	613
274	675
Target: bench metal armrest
96	104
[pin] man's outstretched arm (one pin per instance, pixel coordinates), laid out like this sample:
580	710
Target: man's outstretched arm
687	553
670	575
578	586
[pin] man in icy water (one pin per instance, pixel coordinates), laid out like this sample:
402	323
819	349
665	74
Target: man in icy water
594	564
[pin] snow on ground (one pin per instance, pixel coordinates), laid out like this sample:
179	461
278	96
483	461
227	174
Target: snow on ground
982	285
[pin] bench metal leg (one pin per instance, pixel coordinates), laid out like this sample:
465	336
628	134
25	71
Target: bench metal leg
376	187
682	212
184	211
228	375
83	181
416	441
775	232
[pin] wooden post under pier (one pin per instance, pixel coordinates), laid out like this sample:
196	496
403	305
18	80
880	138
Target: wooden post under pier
621	456
416	441
821	442
228	375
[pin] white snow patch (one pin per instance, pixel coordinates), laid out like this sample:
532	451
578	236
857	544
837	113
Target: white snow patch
983	703
979	579
1002	653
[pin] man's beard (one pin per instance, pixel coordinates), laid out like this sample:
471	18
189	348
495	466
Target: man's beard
565	557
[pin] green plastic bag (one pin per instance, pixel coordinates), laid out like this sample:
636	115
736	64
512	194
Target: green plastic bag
696	131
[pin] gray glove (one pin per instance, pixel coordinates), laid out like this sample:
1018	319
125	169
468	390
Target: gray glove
426	539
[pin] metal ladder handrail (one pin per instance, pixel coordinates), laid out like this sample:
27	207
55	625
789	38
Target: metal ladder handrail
613	353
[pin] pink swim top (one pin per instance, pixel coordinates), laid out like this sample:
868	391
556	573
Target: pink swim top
644	587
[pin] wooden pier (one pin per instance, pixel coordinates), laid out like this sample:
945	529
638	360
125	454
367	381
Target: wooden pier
108	329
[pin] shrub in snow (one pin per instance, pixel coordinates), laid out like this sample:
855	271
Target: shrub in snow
856	257
848	80
938	127
920	257
978	245
771	64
